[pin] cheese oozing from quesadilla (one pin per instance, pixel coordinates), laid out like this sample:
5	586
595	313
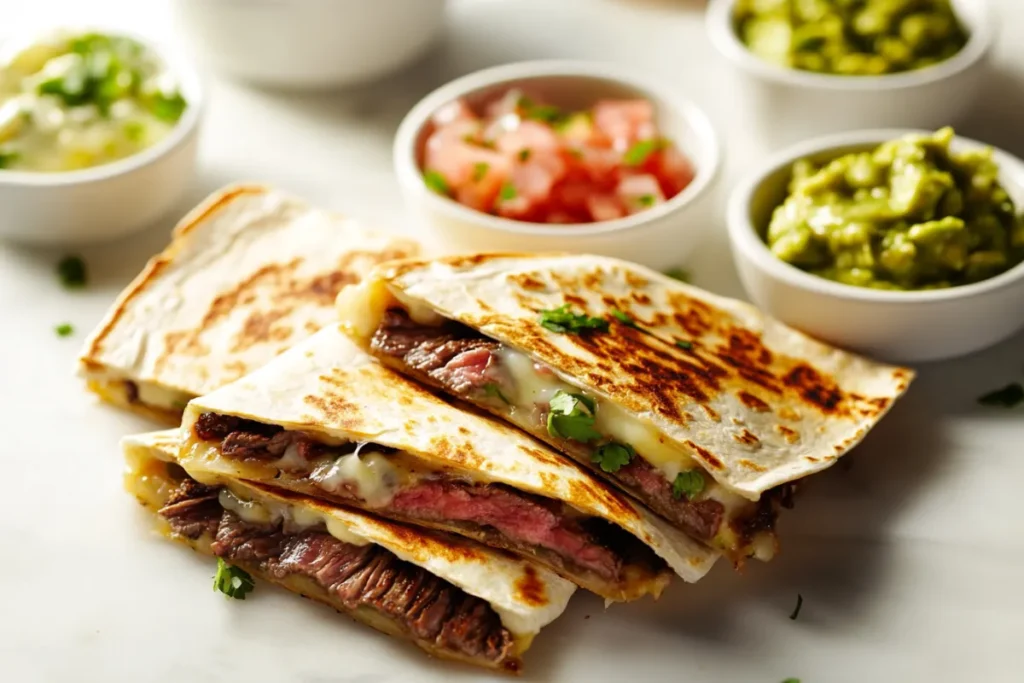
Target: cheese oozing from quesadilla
701	407
453	598
326	420
247	274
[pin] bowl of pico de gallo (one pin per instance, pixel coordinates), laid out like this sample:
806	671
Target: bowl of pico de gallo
560	156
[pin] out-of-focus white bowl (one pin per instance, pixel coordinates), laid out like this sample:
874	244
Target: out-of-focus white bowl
790	104
309	43
112	200
897	326
660	237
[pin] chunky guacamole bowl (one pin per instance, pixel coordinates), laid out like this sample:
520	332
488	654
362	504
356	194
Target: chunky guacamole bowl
902	326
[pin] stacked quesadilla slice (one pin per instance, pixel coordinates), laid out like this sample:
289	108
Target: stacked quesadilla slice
701	407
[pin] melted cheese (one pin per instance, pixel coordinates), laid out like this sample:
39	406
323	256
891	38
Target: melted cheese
295	518
371	476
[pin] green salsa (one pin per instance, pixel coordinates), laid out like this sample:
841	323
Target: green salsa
82	100
909	214
850	37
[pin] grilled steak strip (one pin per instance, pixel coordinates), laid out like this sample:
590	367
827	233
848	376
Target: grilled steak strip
506	517
425	605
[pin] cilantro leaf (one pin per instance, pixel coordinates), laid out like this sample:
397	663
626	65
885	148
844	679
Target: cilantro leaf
494	391
1009	396
687	484
791	680
64	330
611	457
646	200
563	320
683	344
168	107
680	274
638	153
72	273
624	318
507	192
571	416
232	581
480	170
524	154
796	610
436	182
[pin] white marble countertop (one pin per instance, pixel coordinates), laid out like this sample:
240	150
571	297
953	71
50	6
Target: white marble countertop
910	561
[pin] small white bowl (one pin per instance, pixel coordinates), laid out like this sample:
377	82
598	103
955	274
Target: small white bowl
790	104
897	326
312	44
660	237
111	200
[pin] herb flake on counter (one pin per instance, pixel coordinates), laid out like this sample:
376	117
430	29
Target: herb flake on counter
7	158
436	182
796	610
611	457
72	272
232	581
64	330
687	484
680	274
1010	396
494	391
571	416
791	680
563	320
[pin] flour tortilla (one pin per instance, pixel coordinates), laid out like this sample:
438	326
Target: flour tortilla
247	274
526	597
329	388
752	401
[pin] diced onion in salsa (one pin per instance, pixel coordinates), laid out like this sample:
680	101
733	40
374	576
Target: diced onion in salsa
522	159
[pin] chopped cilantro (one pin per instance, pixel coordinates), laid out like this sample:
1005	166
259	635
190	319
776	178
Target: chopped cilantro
524	154
796	610
646	200
624	318
71	271
638	153
494	391
683	344
791	680
508	192
64	330
232	581
480	170
436	182
678	274
571	416
1009	396
563	320
543	112
168	107
687	484
611	457
134	130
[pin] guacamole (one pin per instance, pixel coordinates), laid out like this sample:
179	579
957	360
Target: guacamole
850	37
909	214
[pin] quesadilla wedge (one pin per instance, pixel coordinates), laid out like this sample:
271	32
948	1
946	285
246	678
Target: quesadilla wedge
247	274
453	598
701	407
326	420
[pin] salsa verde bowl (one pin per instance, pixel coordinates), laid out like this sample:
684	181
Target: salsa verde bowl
900	326
789	104
660	237
112	199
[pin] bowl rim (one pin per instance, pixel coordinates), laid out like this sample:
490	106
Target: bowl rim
718	23
188	79
410	174
744	237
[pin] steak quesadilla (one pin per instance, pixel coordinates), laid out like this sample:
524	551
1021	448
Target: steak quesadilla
701	407
326	420
247	274
453	598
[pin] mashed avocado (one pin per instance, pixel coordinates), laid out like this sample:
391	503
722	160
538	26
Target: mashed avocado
909	214
850	37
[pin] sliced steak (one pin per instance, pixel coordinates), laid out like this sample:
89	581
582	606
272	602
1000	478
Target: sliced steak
528	521
452	355
192	510
701	519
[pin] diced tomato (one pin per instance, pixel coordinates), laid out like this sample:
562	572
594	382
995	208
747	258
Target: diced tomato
453	111
530	138
674	170
625	121
605	207
639	192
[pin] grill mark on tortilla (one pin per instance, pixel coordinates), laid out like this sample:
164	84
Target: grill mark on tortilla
746	437
753	402
790	435
706	455
816	389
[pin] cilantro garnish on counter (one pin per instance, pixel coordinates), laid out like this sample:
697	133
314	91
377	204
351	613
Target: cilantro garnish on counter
680	274
64	330
1010	396
232	581
71	271
563	320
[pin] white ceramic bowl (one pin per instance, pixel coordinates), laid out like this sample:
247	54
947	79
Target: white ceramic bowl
660	237
112	200
897	326
309	43
790	105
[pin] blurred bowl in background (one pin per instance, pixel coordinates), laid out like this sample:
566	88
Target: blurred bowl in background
660	237
789	104
315	44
